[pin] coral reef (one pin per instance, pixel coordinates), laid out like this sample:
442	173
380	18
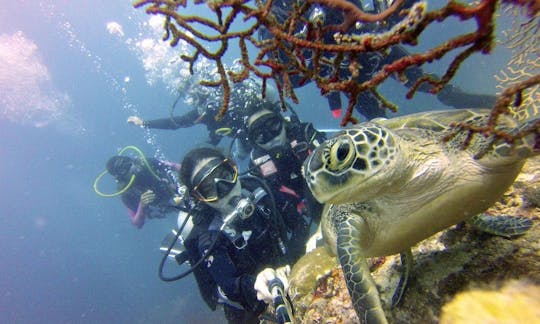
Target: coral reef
454	261
329	47
523	39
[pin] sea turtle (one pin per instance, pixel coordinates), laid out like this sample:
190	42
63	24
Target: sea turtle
390	183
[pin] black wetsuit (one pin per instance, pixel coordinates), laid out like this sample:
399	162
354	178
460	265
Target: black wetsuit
245	100
234	269
189	119
164	188
281	168
367	104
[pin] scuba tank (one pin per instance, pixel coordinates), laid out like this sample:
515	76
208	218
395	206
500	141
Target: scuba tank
176	238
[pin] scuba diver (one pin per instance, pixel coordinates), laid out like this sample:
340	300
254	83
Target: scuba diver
280	147
206	102
147	186
236	236
367	104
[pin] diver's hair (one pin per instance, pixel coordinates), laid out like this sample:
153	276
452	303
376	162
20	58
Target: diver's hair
258	114
116	162
192	159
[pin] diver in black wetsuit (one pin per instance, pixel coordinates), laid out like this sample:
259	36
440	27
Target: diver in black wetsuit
147	186
245	100
367	104
280	147
239	232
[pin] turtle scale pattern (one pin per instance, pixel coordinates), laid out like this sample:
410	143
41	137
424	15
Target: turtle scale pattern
389	184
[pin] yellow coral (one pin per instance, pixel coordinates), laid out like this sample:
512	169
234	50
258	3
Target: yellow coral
517	302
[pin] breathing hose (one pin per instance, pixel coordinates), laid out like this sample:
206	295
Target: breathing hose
131	180
190	270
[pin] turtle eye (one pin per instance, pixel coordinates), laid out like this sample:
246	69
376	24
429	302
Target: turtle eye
341	154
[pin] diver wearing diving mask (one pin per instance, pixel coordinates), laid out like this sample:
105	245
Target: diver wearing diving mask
237	231
266	130
280	147
146	186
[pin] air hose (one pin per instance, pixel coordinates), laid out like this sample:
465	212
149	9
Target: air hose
190	270
131	180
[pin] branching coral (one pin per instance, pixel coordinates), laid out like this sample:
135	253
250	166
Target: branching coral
524	41
520	82
303	48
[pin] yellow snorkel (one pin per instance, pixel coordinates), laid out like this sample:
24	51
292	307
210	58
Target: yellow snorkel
131	180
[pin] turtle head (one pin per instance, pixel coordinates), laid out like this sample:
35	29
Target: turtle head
353	165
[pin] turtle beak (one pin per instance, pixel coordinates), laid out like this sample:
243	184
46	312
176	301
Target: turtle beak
314	162
312	165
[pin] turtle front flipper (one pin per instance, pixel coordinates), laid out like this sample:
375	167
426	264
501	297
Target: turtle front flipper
502	225
364	295
406	262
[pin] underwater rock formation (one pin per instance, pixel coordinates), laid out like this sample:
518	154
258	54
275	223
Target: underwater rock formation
454	261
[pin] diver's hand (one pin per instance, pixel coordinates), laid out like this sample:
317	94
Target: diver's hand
135	121
265	277
148	197
177	200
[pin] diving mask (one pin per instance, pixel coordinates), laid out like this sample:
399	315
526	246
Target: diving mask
266	129
215	180
119	166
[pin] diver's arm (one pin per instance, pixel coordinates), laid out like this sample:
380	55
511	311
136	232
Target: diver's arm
137	218
135	208
412	73
184	121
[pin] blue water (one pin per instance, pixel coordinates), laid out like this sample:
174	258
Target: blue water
69	256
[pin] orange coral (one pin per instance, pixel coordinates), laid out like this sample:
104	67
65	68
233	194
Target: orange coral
269	62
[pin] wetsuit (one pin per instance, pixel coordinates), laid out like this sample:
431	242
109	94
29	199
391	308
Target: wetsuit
281	168
367	104
245	100
234	263
189	119
164	189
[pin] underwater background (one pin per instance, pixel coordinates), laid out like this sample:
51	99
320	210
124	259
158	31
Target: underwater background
71	73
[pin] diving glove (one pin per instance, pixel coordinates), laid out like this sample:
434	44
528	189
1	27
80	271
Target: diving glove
148	197
264	278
